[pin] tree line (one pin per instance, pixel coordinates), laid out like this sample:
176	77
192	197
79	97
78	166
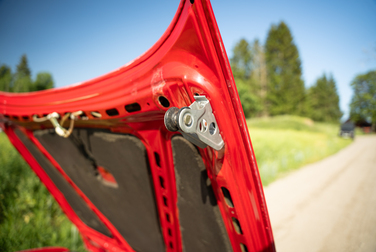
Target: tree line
269	80
21	80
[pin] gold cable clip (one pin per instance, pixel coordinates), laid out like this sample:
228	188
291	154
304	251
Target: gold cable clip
58	127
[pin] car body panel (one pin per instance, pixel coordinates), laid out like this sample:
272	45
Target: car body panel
188	59
47	249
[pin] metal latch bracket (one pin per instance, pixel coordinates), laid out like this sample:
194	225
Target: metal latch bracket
196	123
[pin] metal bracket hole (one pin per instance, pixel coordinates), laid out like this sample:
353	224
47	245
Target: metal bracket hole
188	120
212	128
203	125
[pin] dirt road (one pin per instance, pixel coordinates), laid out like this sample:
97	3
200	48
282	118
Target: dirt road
329	205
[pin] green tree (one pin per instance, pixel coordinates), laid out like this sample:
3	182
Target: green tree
23	66
22	79
43	81
5	78
258	78
241	64
250	102
241	60
323	100
286	92
363	103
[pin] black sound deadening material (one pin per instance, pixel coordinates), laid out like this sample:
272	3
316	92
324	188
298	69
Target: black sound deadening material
130	207
201	223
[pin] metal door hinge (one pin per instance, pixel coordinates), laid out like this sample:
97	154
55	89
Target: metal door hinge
196	123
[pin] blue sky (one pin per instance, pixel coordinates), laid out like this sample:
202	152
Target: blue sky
80	40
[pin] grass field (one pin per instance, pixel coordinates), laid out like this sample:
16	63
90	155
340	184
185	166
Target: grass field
285	143
29	215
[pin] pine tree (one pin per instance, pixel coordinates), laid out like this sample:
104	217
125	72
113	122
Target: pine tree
241	60
241	69
23	66
258	79
286	92
22	80
334	112
5	78
323	100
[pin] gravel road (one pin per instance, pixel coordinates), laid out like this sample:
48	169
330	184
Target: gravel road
329	205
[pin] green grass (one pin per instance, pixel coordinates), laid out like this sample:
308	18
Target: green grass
29	215
285	143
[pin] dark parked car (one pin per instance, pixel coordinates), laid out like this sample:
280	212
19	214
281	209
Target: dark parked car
347	130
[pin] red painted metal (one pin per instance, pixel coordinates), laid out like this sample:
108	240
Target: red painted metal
46	249
189	58
107	176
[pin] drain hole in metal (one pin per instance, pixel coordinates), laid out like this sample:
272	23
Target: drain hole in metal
227	196
169	232
96	114
165	201
25	117
167	217
171	246
163	101
112	112
83	116
243	247
157	159
237	227
133	107
161	181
